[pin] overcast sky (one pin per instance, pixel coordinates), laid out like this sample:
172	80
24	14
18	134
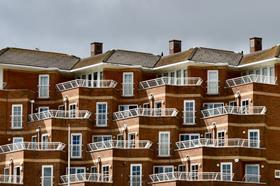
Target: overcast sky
69	26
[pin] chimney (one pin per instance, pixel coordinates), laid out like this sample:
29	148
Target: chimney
96	48
255	44
174	46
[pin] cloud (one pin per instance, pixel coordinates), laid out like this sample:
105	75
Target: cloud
144	25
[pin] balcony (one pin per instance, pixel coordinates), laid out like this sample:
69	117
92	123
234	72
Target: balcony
252	178
119	144
234	110
11	179
252	78
86	177
218	143
190	176
32	146
188	81
86	84
146	112
59	114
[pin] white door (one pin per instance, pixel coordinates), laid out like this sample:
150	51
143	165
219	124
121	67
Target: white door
226	171
213	82
252	172
135	174
47	175
128	84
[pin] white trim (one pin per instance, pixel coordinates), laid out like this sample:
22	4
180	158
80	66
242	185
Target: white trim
123	89
258	132
126	105
190	135
97	114
92	137
12	119
168	141
208	80
44	135
257	62
277	173
16	138
81	145
39	85
158	101
43	171
184	114
163	166
221	170
43	107
140	176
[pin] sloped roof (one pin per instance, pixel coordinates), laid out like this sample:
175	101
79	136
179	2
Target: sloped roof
261	55
175	58
36	58
211	55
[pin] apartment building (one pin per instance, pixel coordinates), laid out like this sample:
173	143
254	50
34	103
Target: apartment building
196	117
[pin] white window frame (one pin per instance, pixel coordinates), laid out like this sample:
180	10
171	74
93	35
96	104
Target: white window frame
43	136
128	105
131	175
72	112
213	104
43	171
163	166
208	81
254	130
221	170
40	85
21	116
100	136
277	173
124	86
81	145
97	115
159	144
16	138
190	135
146	105
246	166
185	114
43	108
105	176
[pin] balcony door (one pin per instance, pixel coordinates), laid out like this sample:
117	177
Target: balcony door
135	174
128	84
226	171
252	172
47	175
44	86
212	82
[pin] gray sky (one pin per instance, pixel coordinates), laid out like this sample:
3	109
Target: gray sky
143	25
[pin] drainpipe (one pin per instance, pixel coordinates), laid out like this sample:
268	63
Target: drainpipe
99	165
152	100
188	164
11	167
65	100
214	131
38	130
31	106
69	154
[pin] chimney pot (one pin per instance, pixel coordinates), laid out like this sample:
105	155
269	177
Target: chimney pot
175	46
96	48
255	44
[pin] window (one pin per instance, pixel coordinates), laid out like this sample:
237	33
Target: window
105	172
252	172
43	109
101	138
208	135
72	110
164	144
194	171
17	173
277	174
128	84
213	82
232	104
135	174
127	107
189	112
163	169
101	114
245	106
47	175
16	116
146	105
17	143
76	170
186	137
226	171
212	105
61	107
254	138
44	86
93	169
44	140
221	138
181	168
76	145
131	139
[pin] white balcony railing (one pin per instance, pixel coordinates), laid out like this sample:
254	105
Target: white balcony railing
218	143
85	177
252	78
156	112
32	146
188	81
86	84
251	110
59	114
11	179
190	176
120	144
252	178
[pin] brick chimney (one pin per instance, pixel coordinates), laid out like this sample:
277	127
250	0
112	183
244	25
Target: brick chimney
96	48
174	46
255	44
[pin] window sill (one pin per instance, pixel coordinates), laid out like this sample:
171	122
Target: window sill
12	128
187	124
